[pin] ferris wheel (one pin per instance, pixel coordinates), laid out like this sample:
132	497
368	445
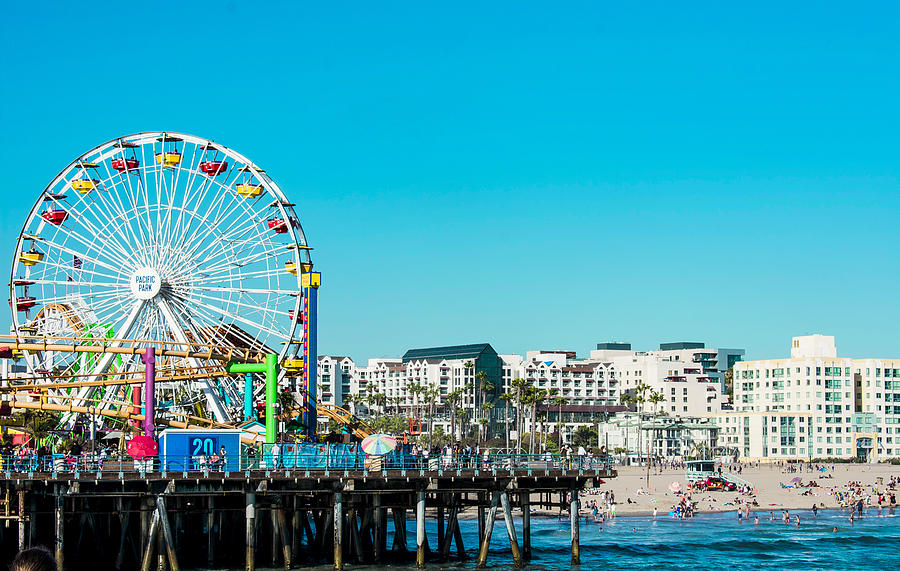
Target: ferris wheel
163	237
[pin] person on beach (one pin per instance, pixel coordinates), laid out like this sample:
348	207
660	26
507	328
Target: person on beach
756	520
654	513
815	511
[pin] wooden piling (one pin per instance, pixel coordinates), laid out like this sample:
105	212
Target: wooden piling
525	501
440	520
338	531
355	539
168	539
210	534
488	530
285	538
378	530
482	499
420	529
150	542
510	529
276	534
250	532
399	530
59	520
21	513
297	530
124	521
452	523
576	522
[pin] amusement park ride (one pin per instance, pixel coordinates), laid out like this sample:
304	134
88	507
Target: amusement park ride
164	279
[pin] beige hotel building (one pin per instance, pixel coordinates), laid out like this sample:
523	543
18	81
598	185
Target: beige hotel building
814	405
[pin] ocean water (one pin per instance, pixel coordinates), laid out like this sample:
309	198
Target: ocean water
706	541
718	541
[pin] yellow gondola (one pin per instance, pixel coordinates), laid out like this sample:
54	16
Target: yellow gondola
168	159
31	258
292	364
249	190
291	268
84	185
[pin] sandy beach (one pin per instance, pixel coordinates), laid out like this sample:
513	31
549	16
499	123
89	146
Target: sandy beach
631	484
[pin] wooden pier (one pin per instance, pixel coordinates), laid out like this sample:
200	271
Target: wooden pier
277	518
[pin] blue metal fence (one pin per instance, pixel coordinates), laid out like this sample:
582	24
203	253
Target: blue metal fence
301	457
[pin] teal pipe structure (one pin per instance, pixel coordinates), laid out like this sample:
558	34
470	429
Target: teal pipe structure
270	368
248	396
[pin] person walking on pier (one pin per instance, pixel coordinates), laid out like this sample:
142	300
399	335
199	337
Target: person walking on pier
276	456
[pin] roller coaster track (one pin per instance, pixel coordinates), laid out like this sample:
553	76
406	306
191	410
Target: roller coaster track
130	347
345	417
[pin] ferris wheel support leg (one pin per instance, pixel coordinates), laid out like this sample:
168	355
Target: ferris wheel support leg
212	396
149	359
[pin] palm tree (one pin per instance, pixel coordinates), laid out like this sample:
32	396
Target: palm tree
430	395
534	398
560	401
655	398
486	409
451	400
520	388
640	392
506	398
485	388
351	400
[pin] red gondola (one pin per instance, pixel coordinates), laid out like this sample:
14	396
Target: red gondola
291	316
278	225
55	217
25	302
213	168
123	165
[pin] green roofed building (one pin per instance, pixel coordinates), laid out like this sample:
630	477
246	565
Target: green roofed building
477	366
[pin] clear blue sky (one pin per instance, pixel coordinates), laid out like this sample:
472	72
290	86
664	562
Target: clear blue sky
527	175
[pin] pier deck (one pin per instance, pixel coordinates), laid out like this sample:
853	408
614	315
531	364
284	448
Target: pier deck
125	519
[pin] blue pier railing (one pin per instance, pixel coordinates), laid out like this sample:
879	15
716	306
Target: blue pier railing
300	458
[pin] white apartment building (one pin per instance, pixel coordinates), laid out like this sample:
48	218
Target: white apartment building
674	437
689	376
814	405
686	375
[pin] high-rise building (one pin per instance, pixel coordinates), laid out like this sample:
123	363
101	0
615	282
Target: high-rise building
814	405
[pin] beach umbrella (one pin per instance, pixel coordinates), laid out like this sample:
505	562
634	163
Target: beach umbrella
797	479
378	444
141	447
675	487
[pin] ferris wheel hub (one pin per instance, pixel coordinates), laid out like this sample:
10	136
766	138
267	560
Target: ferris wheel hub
145	283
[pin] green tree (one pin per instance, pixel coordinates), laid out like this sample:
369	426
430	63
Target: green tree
729	383
389	423
586	436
